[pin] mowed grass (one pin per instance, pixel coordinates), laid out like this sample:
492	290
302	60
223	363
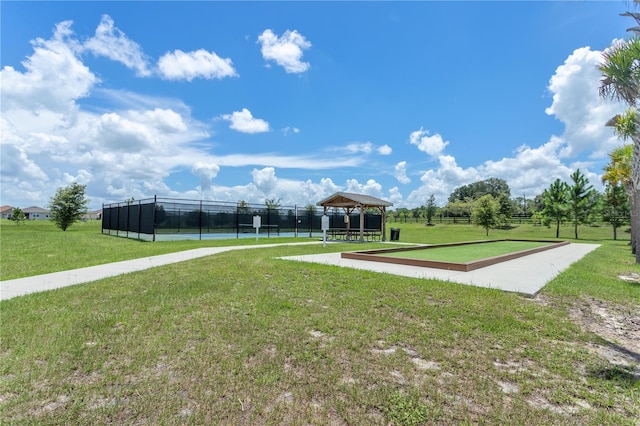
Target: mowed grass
38	247
247	338
468	252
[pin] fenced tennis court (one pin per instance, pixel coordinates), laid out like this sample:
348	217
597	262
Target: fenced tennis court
163	219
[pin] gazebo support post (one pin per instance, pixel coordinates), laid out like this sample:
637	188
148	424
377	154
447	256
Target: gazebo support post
349	202
361	223
383	211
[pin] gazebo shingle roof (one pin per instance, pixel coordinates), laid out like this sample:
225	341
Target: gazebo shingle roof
347	199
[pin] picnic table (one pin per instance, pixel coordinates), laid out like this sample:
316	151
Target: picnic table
354	234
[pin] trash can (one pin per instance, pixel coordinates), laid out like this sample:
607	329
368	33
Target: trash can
395	234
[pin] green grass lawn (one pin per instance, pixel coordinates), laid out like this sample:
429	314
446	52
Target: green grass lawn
467	253
246	338
37	247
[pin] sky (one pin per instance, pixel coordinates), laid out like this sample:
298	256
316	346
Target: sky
294	101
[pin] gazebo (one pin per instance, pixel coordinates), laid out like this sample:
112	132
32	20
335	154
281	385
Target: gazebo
349	202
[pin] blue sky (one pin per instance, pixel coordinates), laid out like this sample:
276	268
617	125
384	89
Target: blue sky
297	100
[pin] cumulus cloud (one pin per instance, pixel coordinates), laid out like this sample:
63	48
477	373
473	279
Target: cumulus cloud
384	150
577	104
206	172
530	171
265	179
111	42
286	50
163	120
244	122
123	135
54	76
395	196
118	154
16	163
371	187
127	149
179	65
432	145
131	144
82	177
400	172
290	192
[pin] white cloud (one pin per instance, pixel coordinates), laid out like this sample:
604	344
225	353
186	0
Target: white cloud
364	147
244	122
129	149
206	172
163	120
54	76
287	161
111	42
384	150
286	50
133	145
577	104
287	130
400	172
180	65
265	179
395	197
267	185
371	187
123	135
82	177
432	145
530	171
16	163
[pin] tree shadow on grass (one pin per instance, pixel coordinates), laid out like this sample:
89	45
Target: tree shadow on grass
624	375
627	375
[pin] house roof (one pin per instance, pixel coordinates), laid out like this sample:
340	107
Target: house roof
347	199
6	209
35	209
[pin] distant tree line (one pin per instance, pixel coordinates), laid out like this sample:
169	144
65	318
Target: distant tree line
488	203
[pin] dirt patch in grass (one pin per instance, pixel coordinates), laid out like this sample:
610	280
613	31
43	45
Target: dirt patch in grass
618	326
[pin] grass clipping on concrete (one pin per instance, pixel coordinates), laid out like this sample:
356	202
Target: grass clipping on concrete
244	338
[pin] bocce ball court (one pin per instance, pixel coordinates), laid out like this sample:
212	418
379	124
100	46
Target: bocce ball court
460	256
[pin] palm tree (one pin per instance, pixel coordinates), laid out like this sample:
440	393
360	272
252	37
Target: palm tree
617	173
621	81
618	170
621	72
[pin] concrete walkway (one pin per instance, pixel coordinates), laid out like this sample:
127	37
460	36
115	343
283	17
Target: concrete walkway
21	286
526	275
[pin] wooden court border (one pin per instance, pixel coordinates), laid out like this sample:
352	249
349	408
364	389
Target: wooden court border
371	255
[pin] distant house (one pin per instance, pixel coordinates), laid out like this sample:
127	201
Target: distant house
93	215
36	213
5	212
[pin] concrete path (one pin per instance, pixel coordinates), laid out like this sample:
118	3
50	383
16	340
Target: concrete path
21	286
526	275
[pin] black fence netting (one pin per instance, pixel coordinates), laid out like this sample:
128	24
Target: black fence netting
165	218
